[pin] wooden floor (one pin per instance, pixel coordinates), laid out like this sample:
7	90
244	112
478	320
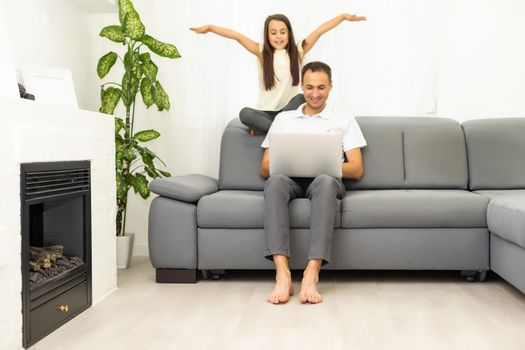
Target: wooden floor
362	310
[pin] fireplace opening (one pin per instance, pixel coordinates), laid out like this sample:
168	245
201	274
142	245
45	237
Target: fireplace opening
56	245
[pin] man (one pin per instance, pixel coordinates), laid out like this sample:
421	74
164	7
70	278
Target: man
323	191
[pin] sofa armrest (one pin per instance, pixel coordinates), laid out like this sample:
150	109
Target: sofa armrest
186	188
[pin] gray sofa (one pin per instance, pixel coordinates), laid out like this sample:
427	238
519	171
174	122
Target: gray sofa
435	195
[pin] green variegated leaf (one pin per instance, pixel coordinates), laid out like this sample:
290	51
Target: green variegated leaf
133	27
130	20
119	141
131	85
105	63
145	57
140	184
126	80
137	72
113	33
146	92
146	135
131	59
119	125
124	6
148	161
164	173
127	59
160	48
151	173
119	159
129	155
161	98
150	70
110	98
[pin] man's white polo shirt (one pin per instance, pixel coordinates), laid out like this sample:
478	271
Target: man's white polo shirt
329	120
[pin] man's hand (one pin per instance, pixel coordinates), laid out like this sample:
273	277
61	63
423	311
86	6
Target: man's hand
265	164
353	167
353	17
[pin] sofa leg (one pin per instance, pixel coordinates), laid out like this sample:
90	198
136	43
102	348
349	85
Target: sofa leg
482	274
212	274
474	275
175	276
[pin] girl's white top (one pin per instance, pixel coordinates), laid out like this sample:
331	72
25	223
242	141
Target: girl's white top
283	91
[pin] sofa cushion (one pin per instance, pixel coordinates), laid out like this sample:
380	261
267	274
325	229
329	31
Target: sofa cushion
496	153
506	217
493	194
186	188
413	208
231	209
411	152
245	209
240	158
435	157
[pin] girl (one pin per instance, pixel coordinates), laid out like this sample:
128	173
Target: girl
280	60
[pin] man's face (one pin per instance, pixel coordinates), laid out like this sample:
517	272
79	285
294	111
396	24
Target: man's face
316	87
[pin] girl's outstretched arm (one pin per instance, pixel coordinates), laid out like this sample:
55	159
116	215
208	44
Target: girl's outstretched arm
310	41
247	43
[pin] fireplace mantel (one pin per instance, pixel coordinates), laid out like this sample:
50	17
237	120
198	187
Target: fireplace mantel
36	132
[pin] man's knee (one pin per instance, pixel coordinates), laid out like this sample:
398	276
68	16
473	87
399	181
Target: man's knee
275	182
324	183
324	180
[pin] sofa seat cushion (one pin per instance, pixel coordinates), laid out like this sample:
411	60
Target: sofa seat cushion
506	218
245	209
413	208
493	194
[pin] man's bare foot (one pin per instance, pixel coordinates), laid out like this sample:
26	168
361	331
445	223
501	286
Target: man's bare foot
283	288
309	293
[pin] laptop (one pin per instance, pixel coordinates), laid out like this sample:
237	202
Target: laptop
306	154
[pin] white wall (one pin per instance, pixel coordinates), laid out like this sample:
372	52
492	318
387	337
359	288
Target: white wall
482	60
8	85
52	33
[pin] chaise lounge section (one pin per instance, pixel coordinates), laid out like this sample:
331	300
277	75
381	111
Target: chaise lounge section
496	154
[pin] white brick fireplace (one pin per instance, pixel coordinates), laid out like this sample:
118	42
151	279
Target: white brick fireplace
34	132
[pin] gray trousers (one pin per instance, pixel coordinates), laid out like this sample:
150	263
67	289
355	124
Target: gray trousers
323	192
262	120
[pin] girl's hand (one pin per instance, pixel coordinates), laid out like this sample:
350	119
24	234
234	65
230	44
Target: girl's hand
353	18
201	30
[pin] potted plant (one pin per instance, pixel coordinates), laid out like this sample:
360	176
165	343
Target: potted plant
135	163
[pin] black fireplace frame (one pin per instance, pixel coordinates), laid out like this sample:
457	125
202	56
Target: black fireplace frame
41	311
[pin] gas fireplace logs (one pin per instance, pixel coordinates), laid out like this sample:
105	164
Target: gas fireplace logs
44	257
48	262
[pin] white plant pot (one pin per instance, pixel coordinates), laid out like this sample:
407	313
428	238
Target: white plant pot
124	250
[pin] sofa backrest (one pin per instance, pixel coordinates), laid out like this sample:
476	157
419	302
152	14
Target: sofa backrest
412	152
240	160
401	153
496	153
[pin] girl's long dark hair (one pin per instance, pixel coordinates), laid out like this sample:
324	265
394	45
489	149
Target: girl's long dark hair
293	53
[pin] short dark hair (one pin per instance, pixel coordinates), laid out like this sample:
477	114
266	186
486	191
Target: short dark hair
317	66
